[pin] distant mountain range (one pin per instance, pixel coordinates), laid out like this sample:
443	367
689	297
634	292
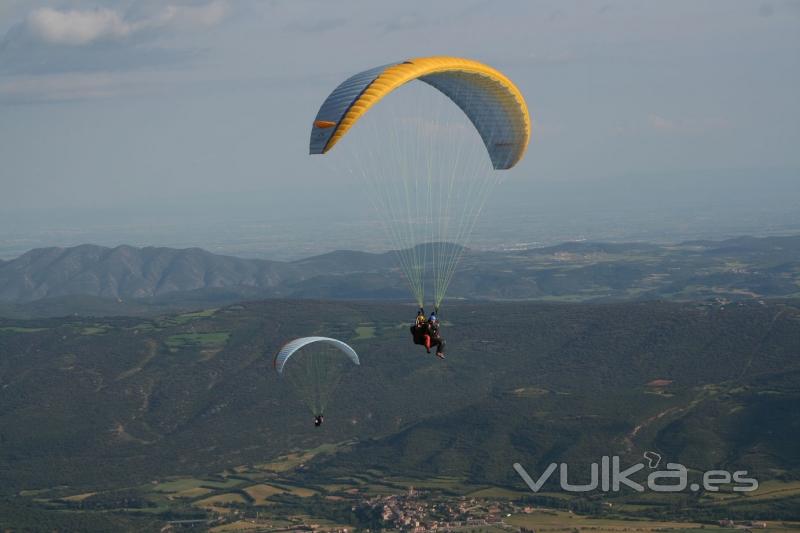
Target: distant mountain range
738	268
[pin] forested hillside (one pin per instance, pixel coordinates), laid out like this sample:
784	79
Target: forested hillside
110	402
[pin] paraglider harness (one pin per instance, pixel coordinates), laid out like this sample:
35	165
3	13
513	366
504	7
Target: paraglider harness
318	420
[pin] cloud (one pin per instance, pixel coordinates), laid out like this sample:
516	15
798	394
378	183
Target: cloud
403	22
58	87
315	26
77	28
74	86
551	58
688	124
658	122
52	41
80	28
671	125
192	17
766	10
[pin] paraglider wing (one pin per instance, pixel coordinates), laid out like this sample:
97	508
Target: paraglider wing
425	167
292	347
492	102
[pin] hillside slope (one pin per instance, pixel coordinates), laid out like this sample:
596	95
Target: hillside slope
99	402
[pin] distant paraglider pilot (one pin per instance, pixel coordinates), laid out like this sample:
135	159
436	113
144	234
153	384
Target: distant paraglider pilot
314	372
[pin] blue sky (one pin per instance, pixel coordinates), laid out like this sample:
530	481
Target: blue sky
157	106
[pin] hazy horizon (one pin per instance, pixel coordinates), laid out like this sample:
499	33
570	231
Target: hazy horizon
511	219
187	124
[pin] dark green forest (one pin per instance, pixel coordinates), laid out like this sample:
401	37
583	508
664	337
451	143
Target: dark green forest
114	402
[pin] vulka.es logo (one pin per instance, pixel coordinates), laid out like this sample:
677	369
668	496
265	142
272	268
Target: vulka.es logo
608	476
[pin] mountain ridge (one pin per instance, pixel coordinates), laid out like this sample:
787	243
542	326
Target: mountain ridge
743	267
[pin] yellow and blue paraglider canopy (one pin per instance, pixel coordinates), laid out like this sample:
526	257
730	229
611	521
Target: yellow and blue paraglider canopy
490	100
425	166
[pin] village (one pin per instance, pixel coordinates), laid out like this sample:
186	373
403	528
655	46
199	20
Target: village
420	511
414	511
